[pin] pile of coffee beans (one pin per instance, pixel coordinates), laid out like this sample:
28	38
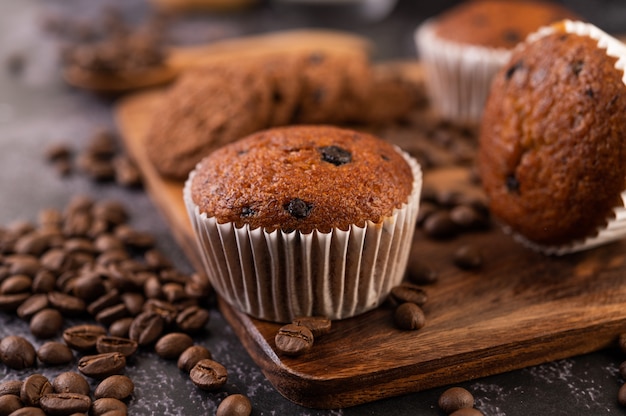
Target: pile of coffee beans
101	160
87	262
457	401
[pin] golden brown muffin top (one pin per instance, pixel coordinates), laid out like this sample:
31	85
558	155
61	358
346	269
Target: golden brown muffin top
497	24
553	139
303	178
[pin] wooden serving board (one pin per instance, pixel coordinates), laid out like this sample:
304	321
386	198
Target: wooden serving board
520	309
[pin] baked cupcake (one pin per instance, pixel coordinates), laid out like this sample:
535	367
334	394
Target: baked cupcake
304	220
553	139
464	47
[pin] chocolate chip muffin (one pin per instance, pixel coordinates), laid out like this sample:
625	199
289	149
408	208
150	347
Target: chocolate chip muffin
305	220
553	139
464	47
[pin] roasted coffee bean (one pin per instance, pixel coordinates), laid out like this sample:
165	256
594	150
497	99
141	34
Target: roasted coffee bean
117	387
121	327
23	264
192	319
134	302
67	304
11	387
318	325
55	353
108	299
17	283
134	238
34	243
468	257
420	273
153	289
467	411
32	305
17	352
71	382
157	260
124	346
102	365
409	316
190	357
234	405
294	339
43	282
468	217
172	345
113	212
408	292
33	388
83	337
197	287
111	314
9	403
621	395
146	328
65	403
126	172
426	208
173	292
108	406
208	374
622	370
455	398
164	309
88	286
46	323
439	225
10	303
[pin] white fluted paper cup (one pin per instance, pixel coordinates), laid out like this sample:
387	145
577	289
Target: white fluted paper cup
277	275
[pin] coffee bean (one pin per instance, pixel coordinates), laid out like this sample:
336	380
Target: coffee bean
146	328
126	172
408	292
170	346
120	328
64	403
23	264
134	238
117	387
208	374
17	283
46	323
10	303
467	411
111	314
43	282
55	353
468	217
33	388
165	310
67	304
71	382
234	405
420	273
318	325
409	316
110	298
190	357
294	339
192	319
124	346
17	352
83	337
134	302
9	403
32	305
108	406
468	257
622	370
439	225
102	365
11	387
28	411
455	398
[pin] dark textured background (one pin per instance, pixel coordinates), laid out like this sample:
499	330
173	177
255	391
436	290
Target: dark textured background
37	109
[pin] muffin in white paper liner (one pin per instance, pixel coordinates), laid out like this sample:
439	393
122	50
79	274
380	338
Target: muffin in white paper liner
458	75
277	275
615	228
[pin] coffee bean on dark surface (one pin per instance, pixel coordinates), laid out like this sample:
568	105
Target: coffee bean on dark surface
208	374
125	346
294	339
29	411
146	328
120	328
60	404
83	337
192	319
318	325
108	406
408	292
190	357
46	323
468	257
54	353
234	405
33	388
455	398
11	387
117	387
17	352
409	316
16	284
419	272
71	382
468	217
9	403
172	345
32	305
67	304
439	225
102	365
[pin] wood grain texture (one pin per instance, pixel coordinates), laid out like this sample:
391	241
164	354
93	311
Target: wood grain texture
520	309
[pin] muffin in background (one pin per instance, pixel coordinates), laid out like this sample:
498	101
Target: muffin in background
464	47
304	220
552	146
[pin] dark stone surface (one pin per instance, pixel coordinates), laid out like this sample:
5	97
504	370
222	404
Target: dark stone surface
38	109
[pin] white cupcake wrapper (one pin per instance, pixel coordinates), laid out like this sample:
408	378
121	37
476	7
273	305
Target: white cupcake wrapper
277	276
615	229
458	75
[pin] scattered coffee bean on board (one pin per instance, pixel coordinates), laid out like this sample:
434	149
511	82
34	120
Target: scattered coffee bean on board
234	405
455	398
409	316
294	340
